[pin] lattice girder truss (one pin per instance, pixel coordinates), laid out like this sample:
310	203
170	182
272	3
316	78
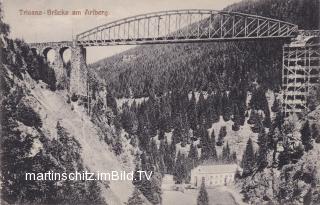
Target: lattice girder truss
185	26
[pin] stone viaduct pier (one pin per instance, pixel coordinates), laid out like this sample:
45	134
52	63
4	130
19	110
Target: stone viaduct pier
76	80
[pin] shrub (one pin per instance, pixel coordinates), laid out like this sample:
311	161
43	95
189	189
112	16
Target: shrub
28	116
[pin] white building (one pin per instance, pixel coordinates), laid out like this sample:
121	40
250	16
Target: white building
213	175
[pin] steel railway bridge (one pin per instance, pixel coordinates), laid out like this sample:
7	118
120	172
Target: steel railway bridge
181	26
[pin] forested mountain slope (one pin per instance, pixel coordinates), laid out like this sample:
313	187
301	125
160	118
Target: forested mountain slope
201	97
43	131
221	66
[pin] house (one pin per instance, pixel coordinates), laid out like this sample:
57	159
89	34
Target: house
213	175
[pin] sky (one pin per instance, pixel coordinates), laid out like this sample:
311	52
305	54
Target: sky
60	28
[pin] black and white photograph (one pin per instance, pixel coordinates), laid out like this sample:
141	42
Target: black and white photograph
160	102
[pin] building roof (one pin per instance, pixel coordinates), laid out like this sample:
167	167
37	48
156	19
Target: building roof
216	169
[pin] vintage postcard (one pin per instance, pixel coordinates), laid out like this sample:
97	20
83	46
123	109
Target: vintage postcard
160	102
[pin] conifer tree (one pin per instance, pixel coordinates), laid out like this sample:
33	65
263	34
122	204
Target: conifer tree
210	112
136	198
248	159
236	119
177	132
185	131
226	154
267	118
258	125
275	106
315	132
234	157
227	109
222	134
193	155
161	157
213	146
117	146
153	153
306	136
205	147
253	117
169	157
203	198
262	154
192	112
180	168
201	107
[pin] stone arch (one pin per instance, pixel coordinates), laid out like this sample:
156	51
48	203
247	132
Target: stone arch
47	54
35	51
65	57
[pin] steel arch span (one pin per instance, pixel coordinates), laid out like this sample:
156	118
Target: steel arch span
191	25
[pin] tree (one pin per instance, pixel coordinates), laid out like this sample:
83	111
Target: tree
306	136
205	144
111	102
192	112
253	117
177	134
180	168
258	99
203	198
136	198
169	157
222	134
314	97
315	132
258	125
307	199
161	156
201	107
117	146
193	155
262	154
275	106
267	118
236	119
149	188
129	120
28	116
226	153
156	188
248	159
213	145
235	126
161	134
